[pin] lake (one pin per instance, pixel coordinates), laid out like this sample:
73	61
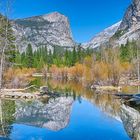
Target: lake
77	114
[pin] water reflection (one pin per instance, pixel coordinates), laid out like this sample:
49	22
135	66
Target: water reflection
84	121
106	102
77	114
7	110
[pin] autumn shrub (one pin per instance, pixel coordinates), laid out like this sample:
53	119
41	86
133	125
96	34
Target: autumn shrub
18	78
104	71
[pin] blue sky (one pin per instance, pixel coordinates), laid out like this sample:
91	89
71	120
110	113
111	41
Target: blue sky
87	17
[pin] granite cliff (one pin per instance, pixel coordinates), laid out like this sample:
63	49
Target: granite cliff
47	30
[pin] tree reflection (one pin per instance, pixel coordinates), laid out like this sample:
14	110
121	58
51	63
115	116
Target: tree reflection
7	110
106	102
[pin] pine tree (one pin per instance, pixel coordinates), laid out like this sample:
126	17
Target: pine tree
40	63
18	59
74	56
79	54
45	54
54	52
29	56
125	52
66	58
50	58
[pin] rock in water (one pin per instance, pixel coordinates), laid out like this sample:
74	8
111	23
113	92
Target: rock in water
46	30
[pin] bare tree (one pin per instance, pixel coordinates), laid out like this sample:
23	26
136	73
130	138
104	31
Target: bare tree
4	40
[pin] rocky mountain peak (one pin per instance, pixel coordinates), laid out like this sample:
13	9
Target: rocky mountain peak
46	30
132	16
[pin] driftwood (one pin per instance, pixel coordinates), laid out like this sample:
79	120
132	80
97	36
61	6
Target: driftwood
18	90
18	93
22	94
106	88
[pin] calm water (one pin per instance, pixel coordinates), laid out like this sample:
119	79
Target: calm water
77	115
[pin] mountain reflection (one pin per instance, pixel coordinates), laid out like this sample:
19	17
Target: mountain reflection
130	116
54	115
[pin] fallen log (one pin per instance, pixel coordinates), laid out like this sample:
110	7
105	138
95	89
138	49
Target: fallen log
106	88
21	93
18	90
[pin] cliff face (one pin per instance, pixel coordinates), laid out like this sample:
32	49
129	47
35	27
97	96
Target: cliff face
132	16
129	28
46	30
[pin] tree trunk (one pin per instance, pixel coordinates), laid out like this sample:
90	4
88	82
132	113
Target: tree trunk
2	61
3	56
